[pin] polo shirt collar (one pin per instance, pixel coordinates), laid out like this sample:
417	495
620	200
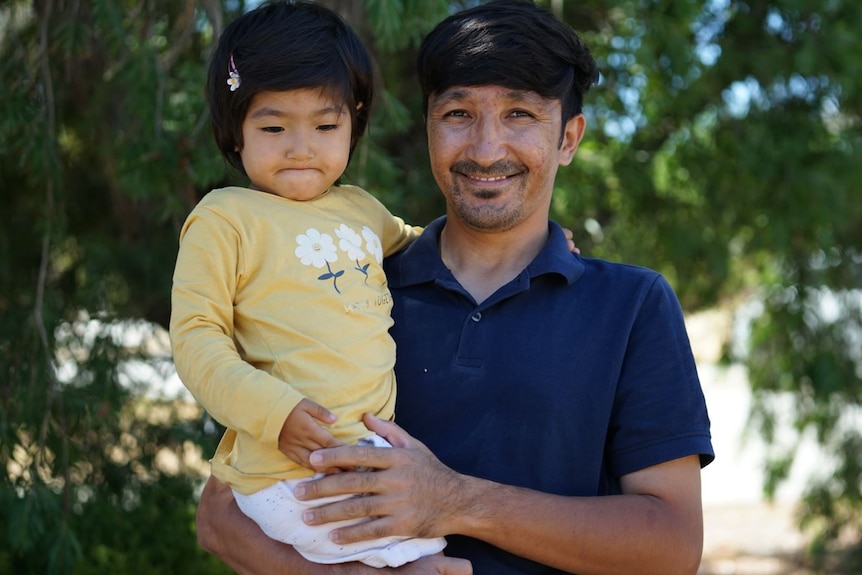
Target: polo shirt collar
420	262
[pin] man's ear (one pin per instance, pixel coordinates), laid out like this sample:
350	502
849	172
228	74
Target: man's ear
573	131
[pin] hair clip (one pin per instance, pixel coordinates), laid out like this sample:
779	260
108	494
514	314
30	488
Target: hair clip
233	76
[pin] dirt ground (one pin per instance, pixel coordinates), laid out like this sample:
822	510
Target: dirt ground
743	533
752	539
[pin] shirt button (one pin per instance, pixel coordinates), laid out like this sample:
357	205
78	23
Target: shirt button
476	316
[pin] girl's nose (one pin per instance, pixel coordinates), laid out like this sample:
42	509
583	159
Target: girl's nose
298	147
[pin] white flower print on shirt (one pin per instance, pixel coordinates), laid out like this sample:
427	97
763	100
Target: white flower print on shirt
351	242
318	250
373	244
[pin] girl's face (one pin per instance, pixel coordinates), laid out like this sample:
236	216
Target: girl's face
296	143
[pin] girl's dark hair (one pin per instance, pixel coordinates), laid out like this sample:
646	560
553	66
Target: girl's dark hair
512	43
287	45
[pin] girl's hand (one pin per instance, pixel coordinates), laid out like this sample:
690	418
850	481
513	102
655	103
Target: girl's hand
303	433
569	235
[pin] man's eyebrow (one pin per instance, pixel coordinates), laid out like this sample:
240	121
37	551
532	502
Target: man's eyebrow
457	95
450	96
524	96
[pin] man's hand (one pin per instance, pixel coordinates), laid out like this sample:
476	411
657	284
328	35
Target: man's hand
302	432
410	493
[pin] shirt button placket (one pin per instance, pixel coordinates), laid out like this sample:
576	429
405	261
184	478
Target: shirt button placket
471	347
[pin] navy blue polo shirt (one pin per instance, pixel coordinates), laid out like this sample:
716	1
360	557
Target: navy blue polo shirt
575	373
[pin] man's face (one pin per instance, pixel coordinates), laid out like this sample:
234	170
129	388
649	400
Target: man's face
495	153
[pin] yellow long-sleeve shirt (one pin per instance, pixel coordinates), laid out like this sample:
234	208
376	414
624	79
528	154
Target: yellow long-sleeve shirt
275	300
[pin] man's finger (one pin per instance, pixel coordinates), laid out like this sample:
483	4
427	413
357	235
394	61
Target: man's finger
346	509
377	528
346	483
388	430
348	457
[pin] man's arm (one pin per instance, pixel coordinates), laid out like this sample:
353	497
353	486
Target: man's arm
654	527
227	533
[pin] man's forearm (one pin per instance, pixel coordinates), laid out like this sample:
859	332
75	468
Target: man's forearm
614	535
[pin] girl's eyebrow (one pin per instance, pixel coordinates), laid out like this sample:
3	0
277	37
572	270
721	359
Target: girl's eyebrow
266	111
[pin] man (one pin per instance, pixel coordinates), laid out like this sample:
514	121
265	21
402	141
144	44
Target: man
559	393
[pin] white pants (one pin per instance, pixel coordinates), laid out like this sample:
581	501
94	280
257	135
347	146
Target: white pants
279	514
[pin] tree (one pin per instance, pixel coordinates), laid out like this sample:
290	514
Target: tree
726	153
723	150
106	147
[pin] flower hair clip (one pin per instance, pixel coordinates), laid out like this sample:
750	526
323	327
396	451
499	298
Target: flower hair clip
233	75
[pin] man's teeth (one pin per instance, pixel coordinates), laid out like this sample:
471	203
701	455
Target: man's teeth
493	179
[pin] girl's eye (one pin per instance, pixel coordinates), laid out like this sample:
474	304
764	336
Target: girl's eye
327	127
273	129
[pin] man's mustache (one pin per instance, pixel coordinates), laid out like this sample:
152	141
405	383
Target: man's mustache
502	168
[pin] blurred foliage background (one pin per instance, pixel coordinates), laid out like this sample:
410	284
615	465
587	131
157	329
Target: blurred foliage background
724	149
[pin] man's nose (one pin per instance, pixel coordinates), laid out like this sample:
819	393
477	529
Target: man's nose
488	140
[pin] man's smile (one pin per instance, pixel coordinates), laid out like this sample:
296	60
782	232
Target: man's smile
498	172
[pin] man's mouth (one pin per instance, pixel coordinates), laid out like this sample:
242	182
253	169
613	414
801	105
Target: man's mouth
497	172
488	178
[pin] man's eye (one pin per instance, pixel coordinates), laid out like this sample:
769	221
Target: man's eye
521	114
273	129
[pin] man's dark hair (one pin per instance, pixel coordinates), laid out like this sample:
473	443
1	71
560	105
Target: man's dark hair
512	43
287	45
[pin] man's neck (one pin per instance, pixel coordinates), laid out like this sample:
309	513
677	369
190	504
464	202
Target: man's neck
483	262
